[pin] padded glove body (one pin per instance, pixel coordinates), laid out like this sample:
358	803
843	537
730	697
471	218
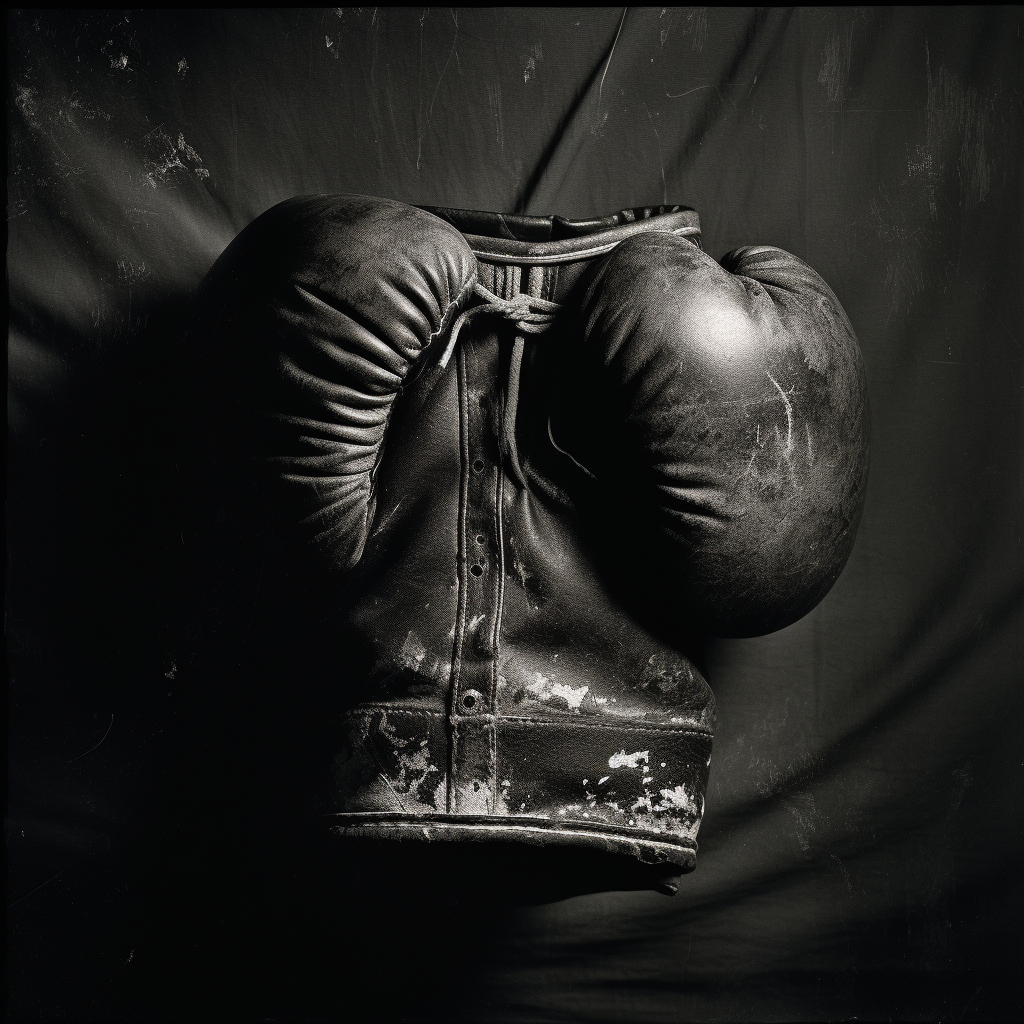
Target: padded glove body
326	307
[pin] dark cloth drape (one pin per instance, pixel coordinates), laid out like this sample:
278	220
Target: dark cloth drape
861	852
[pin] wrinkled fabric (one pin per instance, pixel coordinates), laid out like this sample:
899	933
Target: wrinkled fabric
861	843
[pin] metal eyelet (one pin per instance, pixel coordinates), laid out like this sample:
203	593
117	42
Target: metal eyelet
472	701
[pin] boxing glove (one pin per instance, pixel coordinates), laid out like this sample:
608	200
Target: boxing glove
721	409
326	308
482	430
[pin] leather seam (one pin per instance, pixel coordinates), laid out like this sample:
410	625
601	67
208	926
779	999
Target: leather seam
454	304
462	561
603	725
384	709
499	595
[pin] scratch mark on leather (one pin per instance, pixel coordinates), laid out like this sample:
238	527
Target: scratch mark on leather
384	779
386	519
517	564
789	413
413	652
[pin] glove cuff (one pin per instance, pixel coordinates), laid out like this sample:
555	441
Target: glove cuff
583	780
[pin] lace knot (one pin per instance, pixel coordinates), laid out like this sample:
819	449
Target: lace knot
530	315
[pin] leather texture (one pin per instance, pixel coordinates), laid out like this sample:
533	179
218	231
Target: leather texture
466	440
338	302
725	406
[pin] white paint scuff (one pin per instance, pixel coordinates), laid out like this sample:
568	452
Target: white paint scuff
624	760
544	688
680	797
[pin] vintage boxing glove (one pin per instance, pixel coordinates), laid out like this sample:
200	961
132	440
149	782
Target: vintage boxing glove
459	430
722	410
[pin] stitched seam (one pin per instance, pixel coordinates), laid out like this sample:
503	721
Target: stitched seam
643	835
453	305
672	730
499	824
499	587
606	725
499	591
375	709
461	569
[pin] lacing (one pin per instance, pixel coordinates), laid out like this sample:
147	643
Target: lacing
530	316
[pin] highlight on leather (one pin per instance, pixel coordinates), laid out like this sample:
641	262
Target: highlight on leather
726	405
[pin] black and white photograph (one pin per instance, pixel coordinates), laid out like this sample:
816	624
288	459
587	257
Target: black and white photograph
515	515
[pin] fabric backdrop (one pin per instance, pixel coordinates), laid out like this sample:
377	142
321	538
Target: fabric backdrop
861	851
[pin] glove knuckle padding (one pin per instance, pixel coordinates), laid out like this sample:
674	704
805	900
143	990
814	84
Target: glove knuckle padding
331	304
734	406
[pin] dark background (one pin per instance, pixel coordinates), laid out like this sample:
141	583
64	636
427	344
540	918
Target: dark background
861	852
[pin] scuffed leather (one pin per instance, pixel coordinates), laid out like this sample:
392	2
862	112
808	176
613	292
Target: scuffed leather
502	693
725	407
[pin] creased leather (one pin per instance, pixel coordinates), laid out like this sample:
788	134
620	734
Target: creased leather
339	300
